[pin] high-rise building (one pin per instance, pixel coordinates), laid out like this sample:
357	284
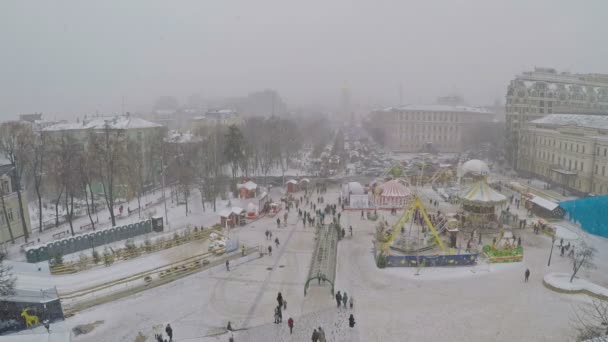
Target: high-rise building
534	94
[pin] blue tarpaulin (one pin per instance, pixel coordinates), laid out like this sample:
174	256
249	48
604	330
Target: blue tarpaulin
590	212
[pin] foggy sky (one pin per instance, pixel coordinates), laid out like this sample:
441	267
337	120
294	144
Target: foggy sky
67	58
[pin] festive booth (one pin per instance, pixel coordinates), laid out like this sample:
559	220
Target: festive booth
247	189
545	208
392	194
232	216
291	185
304	183
252	211
274	208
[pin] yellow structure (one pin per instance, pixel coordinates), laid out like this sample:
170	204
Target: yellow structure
404	218
30	320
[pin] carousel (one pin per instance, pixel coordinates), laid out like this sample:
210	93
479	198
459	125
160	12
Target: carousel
390	195
479	200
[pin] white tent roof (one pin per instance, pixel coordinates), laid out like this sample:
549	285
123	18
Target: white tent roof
292	181
394	188
545	203
475	167
249	185
482	192
355	188
304	180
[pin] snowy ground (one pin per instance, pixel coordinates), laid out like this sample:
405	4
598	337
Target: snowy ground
479	303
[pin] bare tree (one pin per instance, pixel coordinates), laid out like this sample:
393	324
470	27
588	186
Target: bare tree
5	213
591	321
234	149
37	170
108	147
16	144
210	163
7	280
66	154
85	176
583	258
135	170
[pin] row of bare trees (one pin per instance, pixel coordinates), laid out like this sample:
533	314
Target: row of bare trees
64	169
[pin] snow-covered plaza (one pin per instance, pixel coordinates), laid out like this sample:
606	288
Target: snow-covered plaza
486	302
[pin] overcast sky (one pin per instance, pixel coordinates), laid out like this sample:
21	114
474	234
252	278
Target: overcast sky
67	58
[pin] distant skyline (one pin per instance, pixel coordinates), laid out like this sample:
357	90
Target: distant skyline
71	58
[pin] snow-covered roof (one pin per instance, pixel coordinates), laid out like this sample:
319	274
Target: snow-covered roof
544	203
115	122
437	108
481	192
394	188
252	207
475	167
249	185
304	180
292	181
582	120
233	210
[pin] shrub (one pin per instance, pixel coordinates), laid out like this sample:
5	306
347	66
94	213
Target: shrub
58	259
108	258
381	261
148	245
96	257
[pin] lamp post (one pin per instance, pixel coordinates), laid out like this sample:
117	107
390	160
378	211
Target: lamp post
551	253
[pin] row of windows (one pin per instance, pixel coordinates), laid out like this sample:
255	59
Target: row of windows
429	128
418	116
603	170
9	213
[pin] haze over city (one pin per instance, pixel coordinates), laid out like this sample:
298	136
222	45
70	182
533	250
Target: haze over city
70	58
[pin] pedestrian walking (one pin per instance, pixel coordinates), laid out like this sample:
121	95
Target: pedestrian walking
315	336
276	315
321	335
280	299
345	299
276	241
352	301
270	250
228	265
338	299
284	304
278	222
526	275
169	332
242	250
351	230
290	325
351	321
563	250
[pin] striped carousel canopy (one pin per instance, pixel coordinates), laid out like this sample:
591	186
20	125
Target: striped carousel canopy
394	188
481	192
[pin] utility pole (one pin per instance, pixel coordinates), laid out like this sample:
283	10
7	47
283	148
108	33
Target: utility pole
551	254
162	166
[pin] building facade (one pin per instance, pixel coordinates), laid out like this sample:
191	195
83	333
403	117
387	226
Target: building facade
568	150
222	117
443	128
543	91
9	207
145	134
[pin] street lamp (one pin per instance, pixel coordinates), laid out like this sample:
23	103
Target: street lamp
551	253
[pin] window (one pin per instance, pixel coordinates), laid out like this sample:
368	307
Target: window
9	213
583	148
5	187
582	166
596	168
604	151
603	170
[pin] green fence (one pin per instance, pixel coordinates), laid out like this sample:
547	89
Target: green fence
98	238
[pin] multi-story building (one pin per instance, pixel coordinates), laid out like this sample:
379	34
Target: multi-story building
144	133
10	203
543	91
569	150
443	128
222	117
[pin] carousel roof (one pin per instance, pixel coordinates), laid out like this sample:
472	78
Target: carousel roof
481	192
475	167
394	188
